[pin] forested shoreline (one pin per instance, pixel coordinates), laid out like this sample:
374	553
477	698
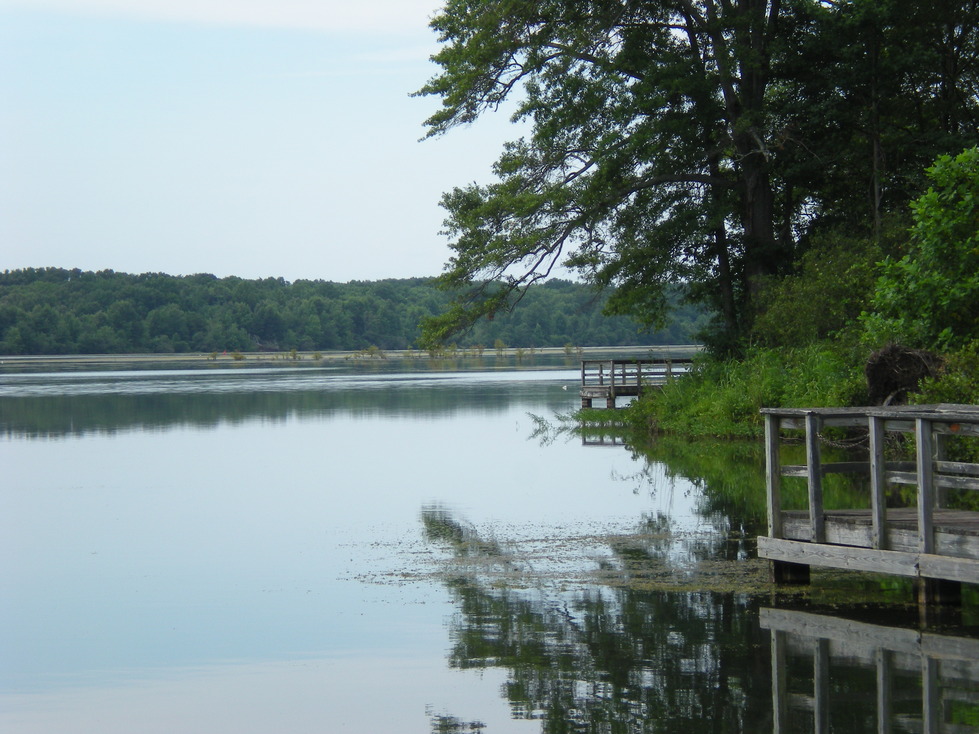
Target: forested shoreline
808	170
60	311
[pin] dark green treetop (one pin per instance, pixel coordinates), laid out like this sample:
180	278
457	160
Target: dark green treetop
681	141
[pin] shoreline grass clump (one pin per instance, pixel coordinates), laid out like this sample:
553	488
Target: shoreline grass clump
722	398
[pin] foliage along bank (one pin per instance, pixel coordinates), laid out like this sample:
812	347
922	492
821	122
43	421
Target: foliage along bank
58	311
710	143
916	285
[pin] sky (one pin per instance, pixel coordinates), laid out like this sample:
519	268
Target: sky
255	138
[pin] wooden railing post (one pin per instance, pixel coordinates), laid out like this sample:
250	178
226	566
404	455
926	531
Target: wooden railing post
926	486
773	476
815	477
878	505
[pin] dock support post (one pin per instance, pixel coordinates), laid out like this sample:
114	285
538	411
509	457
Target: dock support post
786	573
939	592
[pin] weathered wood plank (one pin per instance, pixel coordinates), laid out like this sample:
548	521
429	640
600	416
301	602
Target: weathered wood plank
836	467
900	563
860	636
957	467
834	556
949	648
946	481
956	534
949	569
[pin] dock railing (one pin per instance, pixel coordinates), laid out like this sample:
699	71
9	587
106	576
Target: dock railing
928	541
608	379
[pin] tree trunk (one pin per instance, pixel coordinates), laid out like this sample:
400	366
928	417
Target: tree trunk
761	252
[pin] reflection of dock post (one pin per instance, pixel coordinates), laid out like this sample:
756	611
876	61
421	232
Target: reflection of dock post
947	667
780	688
884	675
820	686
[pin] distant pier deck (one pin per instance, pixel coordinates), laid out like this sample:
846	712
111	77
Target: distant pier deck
930	542
610	379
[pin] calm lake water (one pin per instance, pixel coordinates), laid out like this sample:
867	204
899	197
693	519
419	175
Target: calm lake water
376	549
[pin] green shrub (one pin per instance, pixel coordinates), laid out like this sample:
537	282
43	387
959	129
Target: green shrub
827	294
928	297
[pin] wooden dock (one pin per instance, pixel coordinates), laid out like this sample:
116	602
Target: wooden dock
610	379
928	542
940	670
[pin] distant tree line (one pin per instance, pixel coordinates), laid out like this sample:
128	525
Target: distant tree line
58	311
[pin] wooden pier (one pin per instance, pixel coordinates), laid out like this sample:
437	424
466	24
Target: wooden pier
929	542
940	670
609	379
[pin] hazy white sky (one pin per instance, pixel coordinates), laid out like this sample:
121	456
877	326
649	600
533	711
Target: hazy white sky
237	137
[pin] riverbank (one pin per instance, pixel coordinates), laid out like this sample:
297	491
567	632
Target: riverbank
721	398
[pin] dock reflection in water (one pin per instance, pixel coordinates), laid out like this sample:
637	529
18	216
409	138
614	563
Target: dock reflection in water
925	681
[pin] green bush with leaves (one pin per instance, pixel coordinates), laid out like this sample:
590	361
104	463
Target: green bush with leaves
929	298
831	287
957	383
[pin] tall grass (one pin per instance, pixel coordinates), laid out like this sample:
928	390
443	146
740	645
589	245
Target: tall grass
722	398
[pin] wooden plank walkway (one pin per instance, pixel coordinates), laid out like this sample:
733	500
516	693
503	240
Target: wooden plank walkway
928	541
610	379
948	667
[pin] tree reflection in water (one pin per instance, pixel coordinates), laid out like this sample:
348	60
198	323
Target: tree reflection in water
607	657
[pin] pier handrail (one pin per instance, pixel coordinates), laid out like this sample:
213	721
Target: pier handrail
609	379
625	371
931	472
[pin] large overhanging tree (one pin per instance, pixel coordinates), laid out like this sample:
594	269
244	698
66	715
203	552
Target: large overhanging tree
668	143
